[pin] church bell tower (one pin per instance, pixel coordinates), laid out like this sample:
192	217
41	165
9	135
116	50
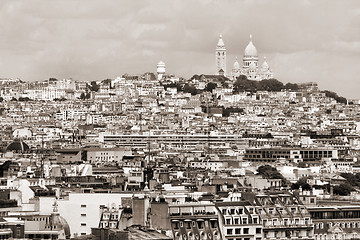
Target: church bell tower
220	57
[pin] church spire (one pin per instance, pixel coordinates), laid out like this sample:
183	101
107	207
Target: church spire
220	42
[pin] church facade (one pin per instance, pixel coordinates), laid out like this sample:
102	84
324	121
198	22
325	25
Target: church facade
250	64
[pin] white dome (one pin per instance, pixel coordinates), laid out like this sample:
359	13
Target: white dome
250	49
236	64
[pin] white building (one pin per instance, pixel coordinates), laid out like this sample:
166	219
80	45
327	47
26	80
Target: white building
250	68
160	69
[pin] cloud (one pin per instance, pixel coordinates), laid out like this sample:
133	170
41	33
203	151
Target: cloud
303	40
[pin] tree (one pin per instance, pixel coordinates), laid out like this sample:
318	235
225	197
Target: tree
291	86
107	82
24	99
196	77
84	96
243	84
13	99
352	179
210	86
190	89
271	85
302	182
269	172
94	87
335	97
1	99
343	189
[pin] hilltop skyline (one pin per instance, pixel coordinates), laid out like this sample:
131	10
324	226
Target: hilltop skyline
304	40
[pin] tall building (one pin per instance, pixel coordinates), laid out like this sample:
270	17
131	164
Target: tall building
220	57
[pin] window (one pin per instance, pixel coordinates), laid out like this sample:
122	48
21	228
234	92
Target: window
237	230
286	221
213	224
246	230
83	206
228	221
83	215
229	231
236	221
188	225
258	230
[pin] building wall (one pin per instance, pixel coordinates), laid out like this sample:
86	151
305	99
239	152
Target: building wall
160	215
82	211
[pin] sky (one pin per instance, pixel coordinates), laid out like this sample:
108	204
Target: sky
303	40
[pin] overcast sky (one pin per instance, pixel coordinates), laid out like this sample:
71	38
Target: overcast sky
303	40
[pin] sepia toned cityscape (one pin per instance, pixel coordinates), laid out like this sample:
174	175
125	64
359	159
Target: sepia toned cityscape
183	120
